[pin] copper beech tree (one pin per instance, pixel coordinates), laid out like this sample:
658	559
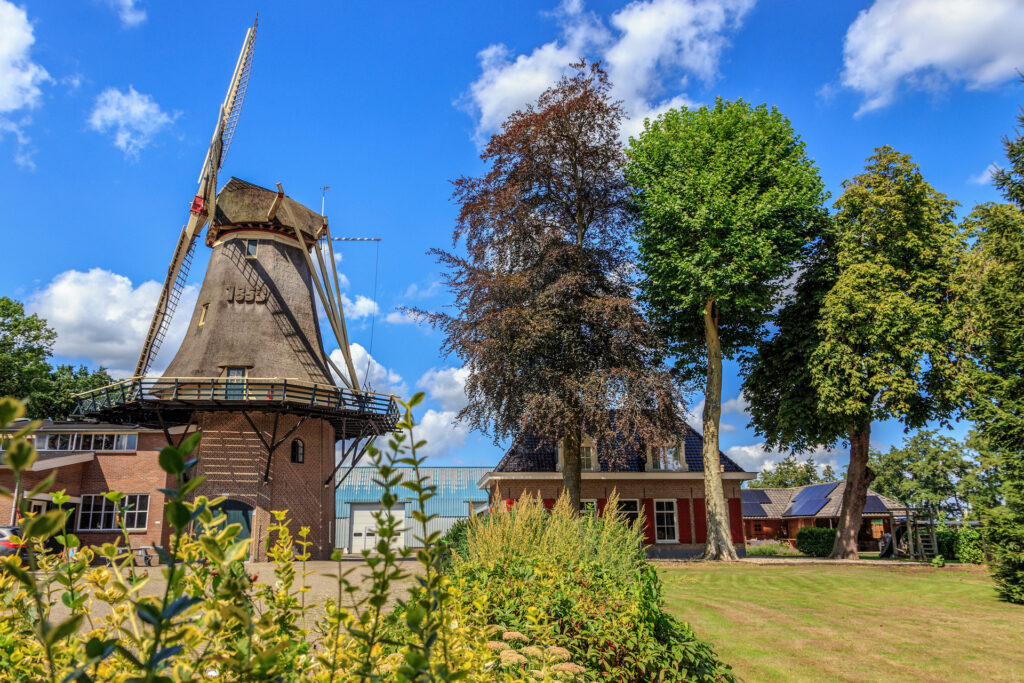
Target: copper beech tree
544	314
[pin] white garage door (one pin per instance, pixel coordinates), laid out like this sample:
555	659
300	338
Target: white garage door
364	526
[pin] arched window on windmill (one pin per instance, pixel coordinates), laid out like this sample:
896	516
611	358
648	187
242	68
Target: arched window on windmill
298	451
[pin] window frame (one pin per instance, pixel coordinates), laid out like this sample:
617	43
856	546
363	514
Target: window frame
108	510
675	520
654	457
587	442
636	514
301	451
588	501
255	252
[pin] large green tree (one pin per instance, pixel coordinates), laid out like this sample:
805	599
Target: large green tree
866	333
26	345
991	311
545	316
925	472
791	472
727	200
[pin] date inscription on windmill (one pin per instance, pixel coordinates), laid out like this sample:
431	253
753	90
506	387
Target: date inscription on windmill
247	295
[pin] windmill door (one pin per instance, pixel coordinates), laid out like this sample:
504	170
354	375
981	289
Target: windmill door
234	389
364	526
239	513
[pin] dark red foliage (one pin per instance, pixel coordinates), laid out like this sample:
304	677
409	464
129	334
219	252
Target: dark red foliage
544	313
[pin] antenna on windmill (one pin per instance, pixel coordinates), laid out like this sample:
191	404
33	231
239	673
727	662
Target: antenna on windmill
204	205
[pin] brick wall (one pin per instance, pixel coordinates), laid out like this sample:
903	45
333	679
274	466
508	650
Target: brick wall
234	460
691	520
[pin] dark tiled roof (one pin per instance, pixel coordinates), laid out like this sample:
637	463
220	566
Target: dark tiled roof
787	502
531	454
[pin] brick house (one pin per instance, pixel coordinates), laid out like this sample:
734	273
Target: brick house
92	459
665	481
778	514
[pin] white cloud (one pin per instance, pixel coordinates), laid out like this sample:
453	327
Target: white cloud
442	432
736	405
362	307
985	177
401	318
371	374
653	46
756	457
101	317
414	291
447	386
927	44
20	78
131	117
129	14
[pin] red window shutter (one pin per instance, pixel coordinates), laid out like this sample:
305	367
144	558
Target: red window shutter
683	515
648	504
736	519
549	503
601	502
700	519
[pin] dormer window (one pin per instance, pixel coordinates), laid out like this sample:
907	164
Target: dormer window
666	458
588	455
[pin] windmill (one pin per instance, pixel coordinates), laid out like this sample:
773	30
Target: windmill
251	372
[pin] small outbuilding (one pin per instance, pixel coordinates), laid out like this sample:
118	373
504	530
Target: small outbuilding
358	498
778	514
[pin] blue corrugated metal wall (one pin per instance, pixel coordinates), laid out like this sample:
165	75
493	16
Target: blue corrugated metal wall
456	489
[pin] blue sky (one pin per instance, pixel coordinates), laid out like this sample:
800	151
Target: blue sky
107	106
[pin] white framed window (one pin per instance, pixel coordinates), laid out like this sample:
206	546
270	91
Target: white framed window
86	442
96	513
252	248
588	506
588	455
665	528
630	510
666	458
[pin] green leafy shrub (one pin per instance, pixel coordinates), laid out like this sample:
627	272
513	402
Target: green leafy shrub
215	621
945	541
1004	531
583	584
938	561
771	548
456	539
967	546
815	541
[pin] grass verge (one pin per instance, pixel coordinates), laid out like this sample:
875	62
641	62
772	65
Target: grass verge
850	623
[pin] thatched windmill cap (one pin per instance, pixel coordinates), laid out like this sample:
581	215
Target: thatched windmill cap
243	205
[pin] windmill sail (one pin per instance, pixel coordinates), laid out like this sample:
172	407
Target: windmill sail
203	205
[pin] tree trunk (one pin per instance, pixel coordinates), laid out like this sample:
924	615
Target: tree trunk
719	544
858	478
571	479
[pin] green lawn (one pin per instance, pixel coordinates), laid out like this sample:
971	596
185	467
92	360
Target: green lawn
850	623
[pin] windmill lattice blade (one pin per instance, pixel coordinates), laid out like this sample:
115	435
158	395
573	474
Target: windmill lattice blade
237	98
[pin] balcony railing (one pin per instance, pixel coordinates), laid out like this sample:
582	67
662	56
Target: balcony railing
232	391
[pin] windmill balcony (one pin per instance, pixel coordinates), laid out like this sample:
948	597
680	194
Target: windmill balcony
162	400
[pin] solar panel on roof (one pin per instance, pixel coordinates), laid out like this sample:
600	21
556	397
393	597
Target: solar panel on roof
805	508
754	496
815	491
753	510
874	506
